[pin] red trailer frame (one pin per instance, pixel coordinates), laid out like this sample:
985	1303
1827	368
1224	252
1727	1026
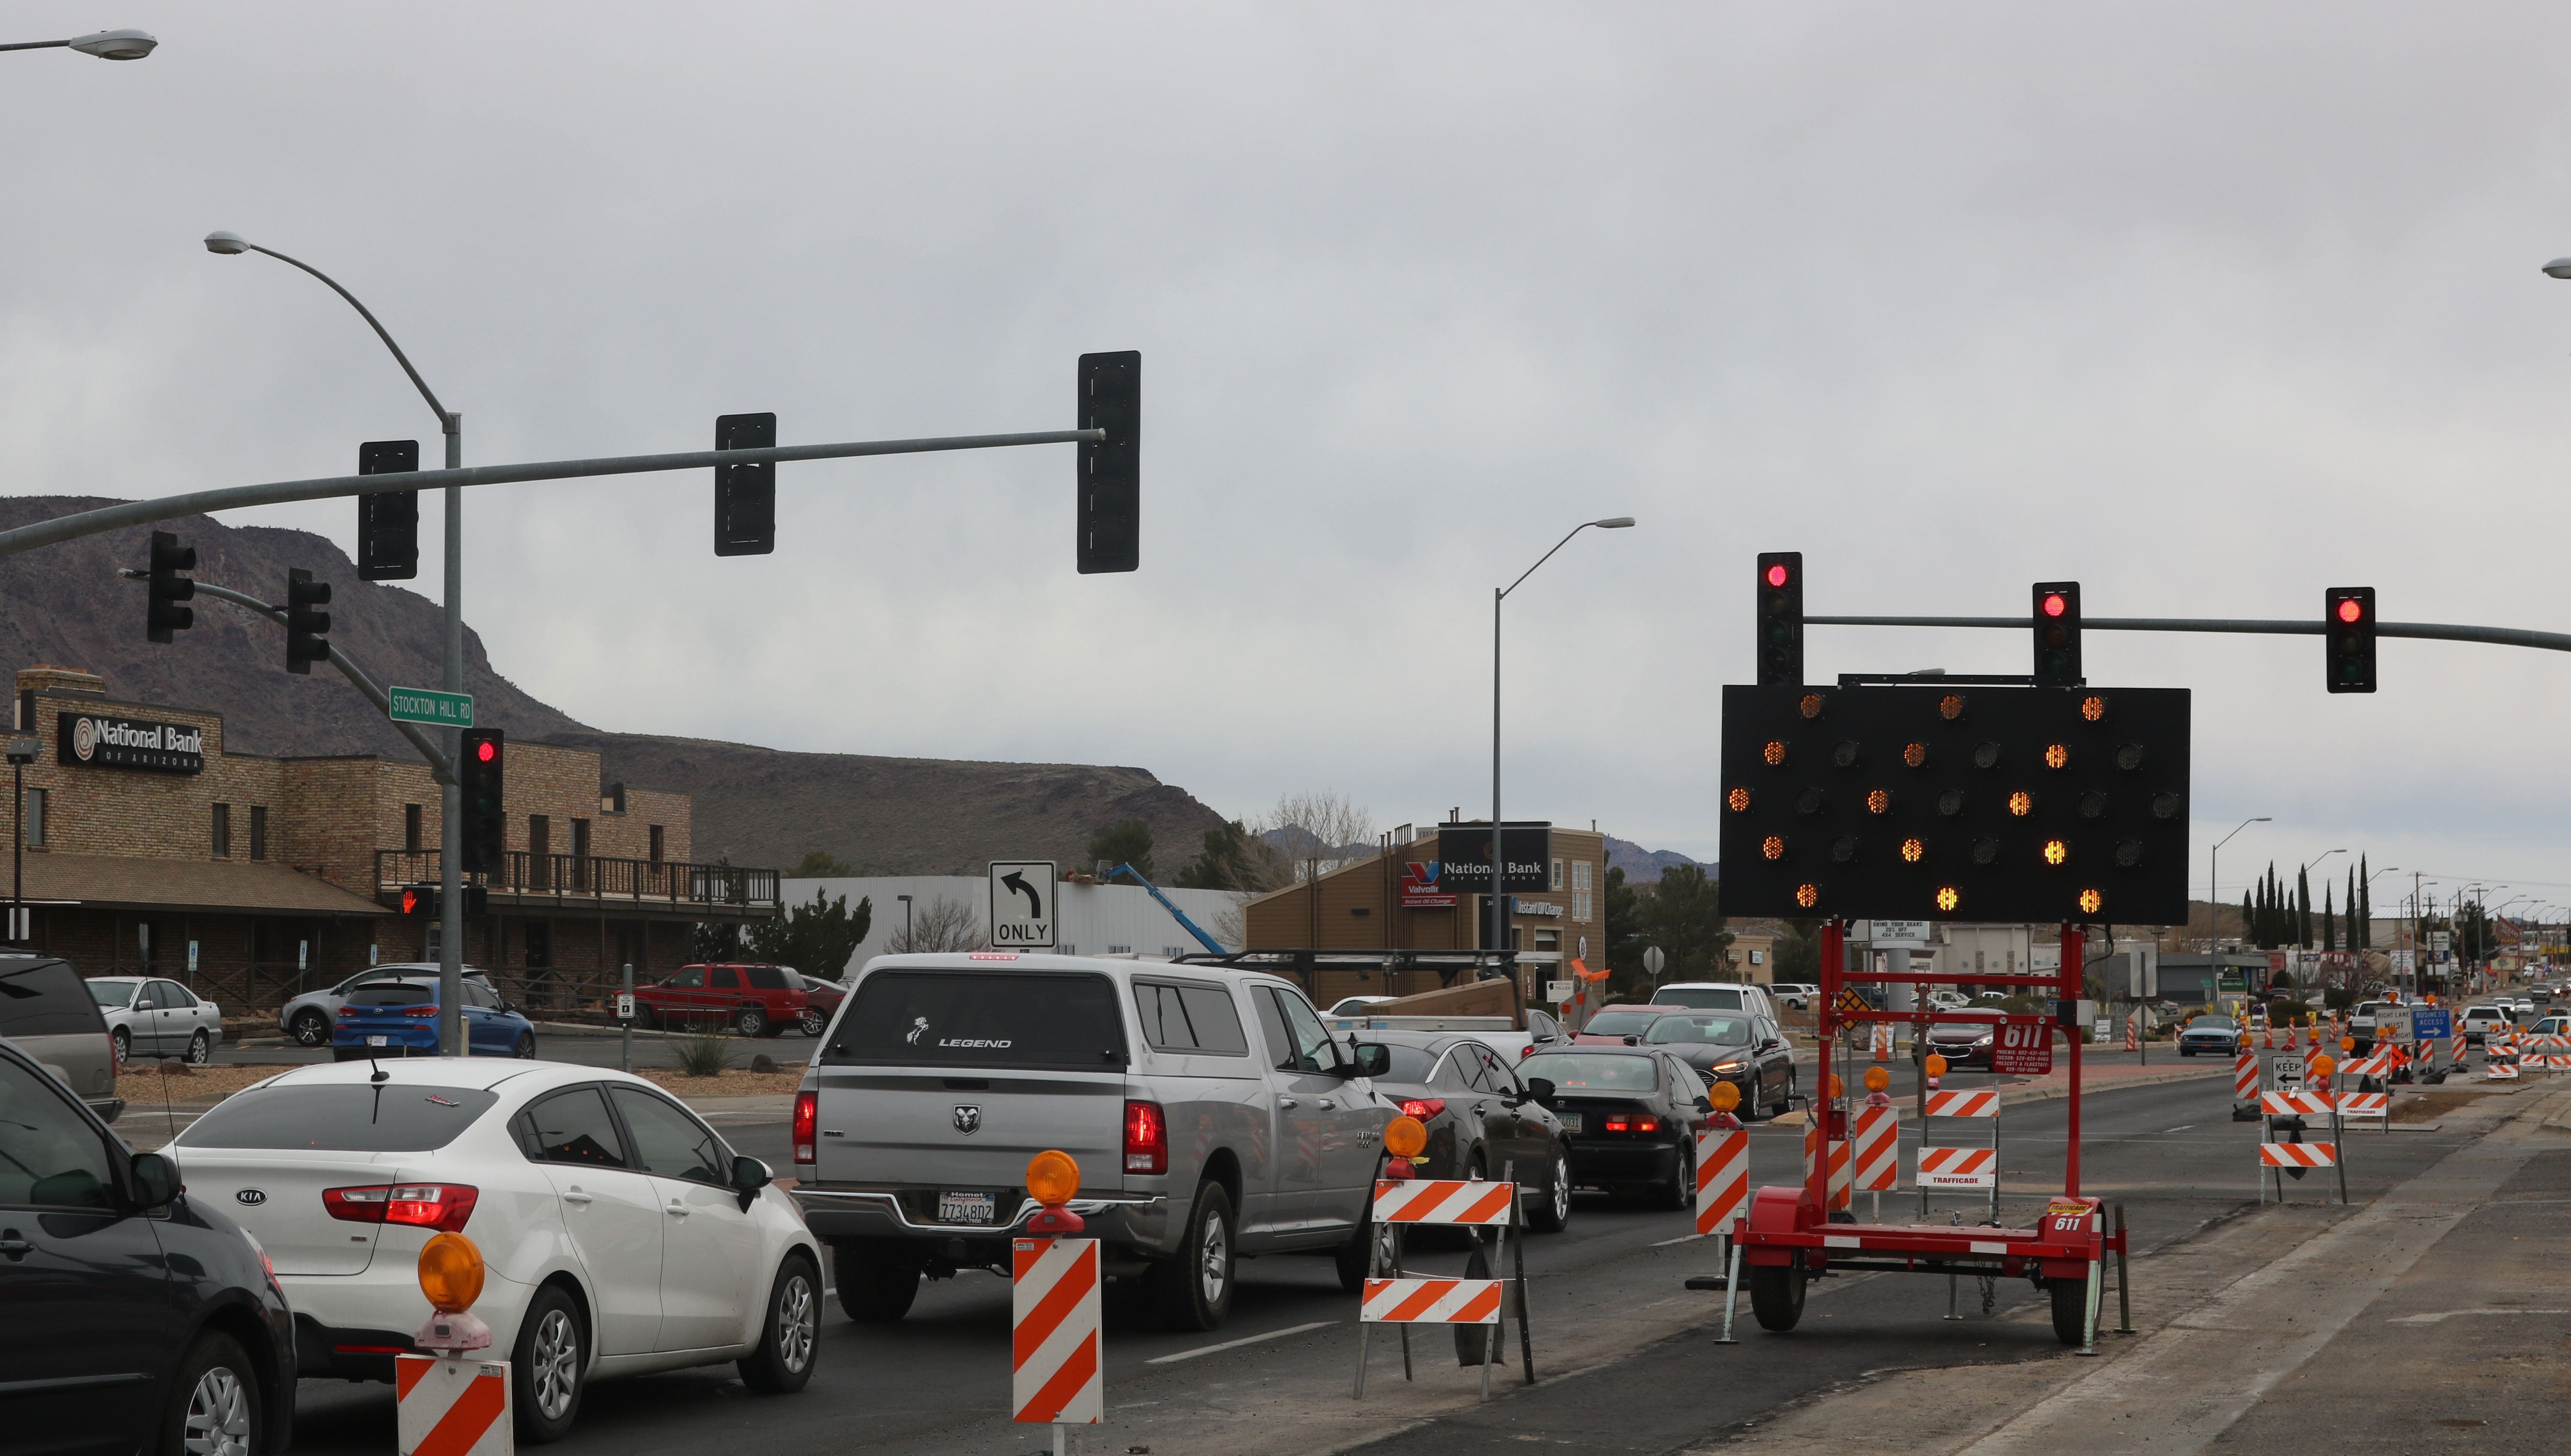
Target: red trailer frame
1787	1235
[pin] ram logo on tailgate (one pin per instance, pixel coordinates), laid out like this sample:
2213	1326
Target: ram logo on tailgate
968	1120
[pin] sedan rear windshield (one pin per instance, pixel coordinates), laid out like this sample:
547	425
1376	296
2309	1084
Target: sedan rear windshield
391	996
1620	1023
2211	1023
341	1116
1714	998
961	1018
1721	1031
1592	1071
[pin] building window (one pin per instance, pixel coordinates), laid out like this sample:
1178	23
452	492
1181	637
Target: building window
580	854
540	943
1580	906
35	818
259	831
540	834
1548	940
1557	875
223	831
1580	875
410	827
656	844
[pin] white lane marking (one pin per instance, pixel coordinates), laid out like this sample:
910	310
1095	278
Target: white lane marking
1233	1344
2444	1314
2167	1131
1681	1238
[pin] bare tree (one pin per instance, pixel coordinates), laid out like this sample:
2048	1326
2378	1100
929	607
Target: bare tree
939	926
1325	831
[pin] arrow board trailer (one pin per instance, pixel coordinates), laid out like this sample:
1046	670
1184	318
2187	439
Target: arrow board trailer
1023	910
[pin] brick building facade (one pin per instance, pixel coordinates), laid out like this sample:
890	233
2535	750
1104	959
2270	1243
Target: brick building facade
149	847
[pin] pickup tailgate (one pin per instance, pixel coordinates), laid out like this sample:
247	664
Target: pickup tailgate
933	1131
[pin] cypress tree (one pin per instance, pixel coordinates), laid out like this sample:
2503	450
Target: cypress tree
2302	909
2330	920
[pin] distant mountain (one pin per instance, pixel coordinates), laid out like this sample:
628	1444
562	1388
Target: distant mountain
64	605
1642	866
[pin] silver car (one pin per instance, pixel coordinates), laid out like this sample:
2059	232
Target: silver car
1209	1112
154	1017
309	1017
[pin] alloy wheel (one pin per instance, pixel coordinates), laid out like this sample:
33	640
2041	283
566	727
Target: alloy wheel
796	1320
217	1416
200	1050
557	1364
1561	1186
1213	1260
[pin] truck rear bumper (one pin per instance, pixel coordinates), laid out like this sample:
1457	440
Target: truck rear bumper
1140	1224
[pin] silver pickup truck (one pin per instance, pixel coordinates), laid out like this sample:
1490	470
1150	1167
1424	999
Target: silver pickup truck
1210	1112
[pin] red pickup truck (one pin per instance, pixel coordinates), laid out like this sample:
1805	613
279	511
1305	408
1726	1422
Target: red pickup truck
754	1000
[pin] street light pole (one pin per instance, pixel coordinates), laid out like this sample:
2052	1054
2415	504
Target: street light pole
2214	891
1499	861
22	752
906	946
450	898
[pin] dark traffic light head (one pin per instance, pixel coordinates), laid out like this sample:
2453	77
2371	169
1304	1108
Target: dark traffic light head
746	495
308	628
481	782
167	618
1109	472
2056	619
2348	630
1780	651
388	521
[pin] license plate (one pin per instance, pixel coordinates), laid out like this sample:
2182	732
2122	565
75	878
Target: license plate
380	1041
967	1209
1570	1122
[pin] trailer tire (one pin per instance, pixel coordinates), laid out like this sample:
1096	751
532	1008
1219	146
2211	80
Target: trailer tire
2070	1309
1776	1296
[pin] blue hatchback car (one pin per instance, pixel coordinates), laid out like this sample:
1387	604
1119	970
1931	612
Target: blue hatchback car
399	1019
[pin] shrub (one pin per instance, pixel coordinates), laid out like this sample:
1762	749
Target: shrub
703	1056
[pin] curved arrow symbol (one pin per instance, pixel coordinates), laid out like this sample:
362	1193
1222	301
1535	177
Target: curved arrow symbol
1017	882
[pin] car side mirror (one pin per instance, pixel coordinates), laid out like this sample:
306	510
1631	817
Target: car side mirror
1373	1059
154	1179
1541	1089
749	1175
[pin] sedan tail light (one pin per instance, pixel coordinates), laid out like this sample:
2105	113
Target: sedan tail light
808	1113
1147	1137
421	1011
1422	1108
1632	1123
441	1205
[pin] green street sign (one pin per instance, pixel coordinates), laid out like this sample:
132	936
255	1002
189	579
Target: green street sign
2230	981
427	705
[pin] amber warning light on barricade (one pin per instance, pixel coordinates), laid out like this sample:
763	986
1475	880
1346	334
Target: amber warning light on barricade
1052	1180
450	1274
1404	1138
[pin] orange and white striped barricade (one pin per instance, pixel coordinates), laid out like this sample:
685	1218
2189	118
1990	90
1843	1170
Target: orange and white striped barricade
2499	1059
1874	1153
1056	1377
2134	1029
451	1407
2377	1105
2244	1077
2455	1043
2277	1160
1721	1178
1396	1297
1879	1039
1842	1175
1946	1172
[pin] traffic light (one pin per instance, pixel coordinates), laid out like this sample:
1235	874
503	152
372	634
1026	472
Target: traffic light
426	900
389	523
1955	802
2057	634
169	588
1780	617
478	779
2348	626
744	495
307	630
1110	470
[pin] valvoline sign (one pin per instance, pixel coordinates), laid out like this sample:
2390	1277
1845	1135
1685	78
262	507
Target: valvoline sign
1421	886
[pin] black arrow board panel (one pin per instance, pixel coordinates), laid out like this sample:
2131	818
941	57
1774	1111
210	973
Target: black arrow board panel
1929	802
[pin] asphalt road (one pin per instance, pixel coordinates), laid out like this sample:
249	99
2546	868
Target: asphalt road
1606	1293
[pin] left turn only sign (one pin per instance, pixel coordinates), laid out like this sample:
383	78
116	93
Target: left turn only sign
1022	904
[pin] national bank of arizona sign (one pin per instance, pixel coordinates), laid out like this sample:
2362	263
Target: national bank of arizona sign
91	741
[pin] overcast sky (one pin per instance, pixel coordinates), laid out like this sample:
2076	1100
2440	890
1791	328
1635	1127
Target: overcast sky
2208	307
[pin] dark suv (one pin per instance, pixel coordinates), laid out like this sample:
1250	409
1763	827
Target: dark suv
754	1000
132	1318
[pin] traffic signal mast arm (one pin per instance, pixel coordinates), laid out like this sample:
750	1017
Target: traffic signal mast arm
419	738
2437	631
136	513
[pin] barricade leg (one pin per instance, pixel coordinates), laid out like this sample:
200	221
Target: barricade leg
2124	1293
1731	1291
2089	1325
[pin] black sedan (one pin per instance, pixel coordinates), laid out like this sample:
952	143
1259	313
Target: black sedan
132	1318
1631	1114
1482	1120
2213	1036
1738	1047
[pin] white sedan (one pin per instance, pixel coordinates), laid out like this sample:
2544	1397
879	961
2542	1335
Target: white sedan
621	1234
151	1017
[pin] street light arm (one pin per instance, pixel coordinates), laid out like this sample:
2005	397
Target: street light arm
1548	556
445	421
439	767
34	45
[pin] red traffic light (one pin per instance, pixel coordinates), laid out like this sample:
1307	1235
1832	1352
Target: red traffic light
2054	605
1776	574
487	751
2350	609
410	903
